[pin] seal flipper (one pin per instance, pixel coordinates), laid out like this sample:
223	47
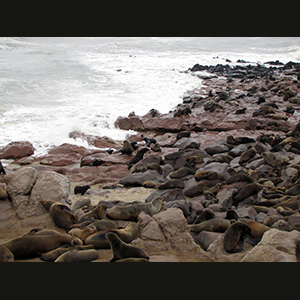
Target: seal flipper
241	244
251	240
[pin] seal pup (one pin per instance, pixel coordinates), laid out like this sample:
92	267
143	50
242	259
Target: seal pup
2	171
81	189
131	212
149	141
234	236
122	250
127	148
6	255
78	256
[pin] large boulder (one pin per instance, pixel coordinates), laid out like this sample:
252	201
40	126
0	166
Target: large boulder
168	230
138	179
16	150
275	246
51	186
19	185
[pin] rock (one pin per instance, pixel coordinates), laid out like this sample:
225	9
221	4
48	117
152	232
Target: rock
16	150
67	149
20	182
216	249
169	230
138	179
51	186
187	142
206	238
215	149
129	123
60	160
19	186
198	188
275	246
246	212
96	175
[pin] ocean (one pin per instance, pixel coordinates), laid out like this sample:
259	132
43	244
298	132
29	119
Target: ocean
50	86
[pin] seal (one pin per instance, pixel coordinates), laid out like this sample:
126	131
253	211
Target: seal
81	189
2	171
216	225
149	141
257	229
181	172
78	256
206	214
103	225
99	212
30	246
172	184
234	236
99	241
247	191
6	255
122	250
231	215
247	155
239	177
127	148
82	233
60	213
131	212
297	251
209	175
139	156
3	194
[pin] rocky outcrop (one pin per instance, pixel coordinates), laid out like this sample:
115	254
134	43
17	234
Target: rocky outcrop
16	150
26	187
51	186
168	231
275	246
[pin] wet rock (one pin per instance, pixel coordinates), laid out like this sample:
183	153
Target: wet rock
16	150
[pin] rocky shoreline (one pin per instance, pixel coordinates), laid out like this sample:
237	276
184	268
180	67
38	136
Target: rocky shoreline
230	151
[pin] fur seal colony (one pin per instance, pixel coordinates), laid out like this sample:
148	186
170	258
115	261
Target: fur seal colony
227	159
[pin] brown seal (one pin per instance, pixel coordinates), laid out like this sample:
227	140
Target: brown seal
78	256
206	214
216	225
248	190
257	229
234	236
30	246
99	241
6	255
131	212
122	250
208	174
60	213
